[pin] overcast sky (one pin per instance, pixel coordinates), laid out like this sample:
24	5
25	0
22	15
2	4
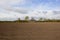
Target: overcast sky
13	9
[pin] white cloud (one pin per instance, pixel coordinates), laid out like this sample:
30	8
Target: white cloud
8	11
2	2
9	3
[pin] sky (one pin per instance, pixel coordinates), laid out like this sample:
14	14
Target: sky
14	9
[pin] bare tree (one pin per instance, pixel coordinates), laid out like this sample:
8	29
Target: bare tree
32	19
18	20
40	19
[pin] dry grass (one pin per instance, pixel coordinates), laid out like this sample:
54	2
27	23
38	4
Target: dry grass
30	31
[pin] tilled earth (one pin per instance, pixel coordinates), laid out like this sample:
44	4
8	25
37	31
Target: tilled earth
30	31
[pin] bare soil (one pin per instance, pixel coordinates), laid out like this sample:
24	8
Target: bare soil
30	31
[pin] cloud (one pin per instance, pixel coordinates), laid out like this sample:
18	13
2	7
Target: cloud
13	9
7	9
8	5
7	2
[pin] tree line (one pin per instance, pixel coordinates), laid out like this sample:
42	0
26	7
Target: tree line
34	20
39	20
